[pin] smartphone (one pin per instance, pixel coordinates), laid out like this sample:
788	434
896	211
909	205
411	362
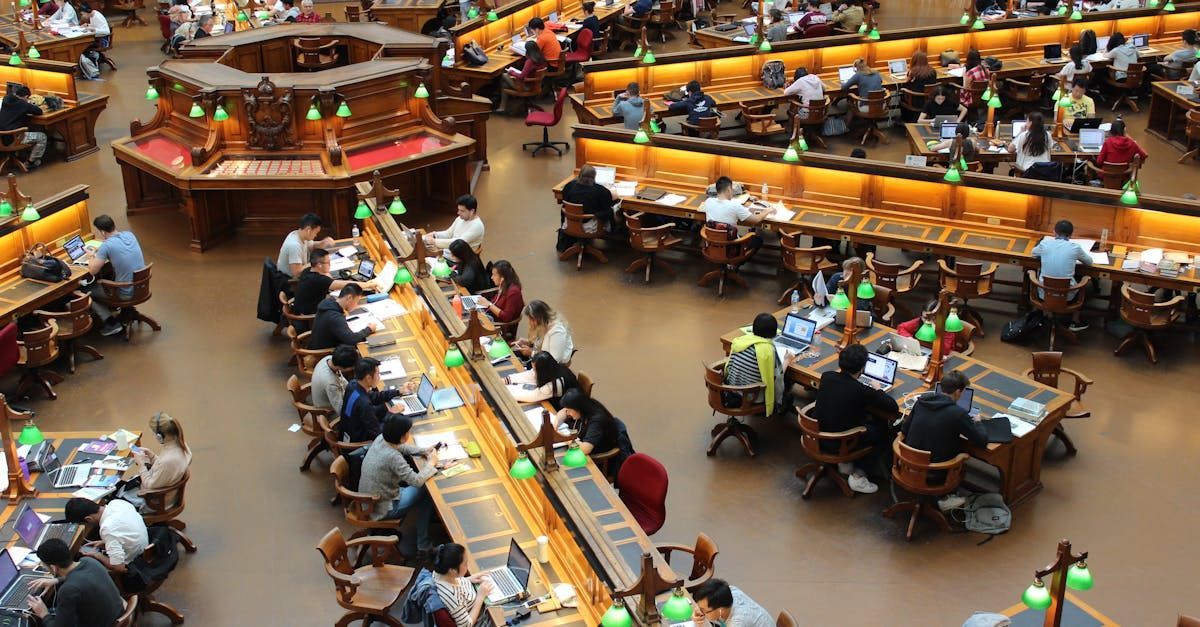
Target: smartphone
532	603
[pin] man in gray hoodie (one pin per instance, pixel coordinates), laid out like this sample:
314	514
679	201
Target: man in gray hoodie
629	106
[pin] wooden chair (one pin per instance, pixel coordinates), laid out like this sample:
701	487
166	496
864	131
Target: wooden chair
899	279
1124	88
299	323
1024	96
1058	297
600	43
912	103
967	280
307	414
153	554
802	262
368	592
760	121
163	507
911	470
307	358
139	293
1191	131
603	462
663	18
333	436
527	89
630	30
11	143
314	56
825	464
1047	367
573	226
130	8
810	116
353	14
964	341
706	128
1139	311
1111	175
38	348
585	383
1187	621
556	69
882	306
126	617
877	108
73	323
358	506
785	619
714	382
649	242
728	252
704	559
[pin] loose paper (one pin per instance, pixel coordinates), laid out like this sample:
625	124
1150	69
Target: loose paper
671	199
392	368
1100	258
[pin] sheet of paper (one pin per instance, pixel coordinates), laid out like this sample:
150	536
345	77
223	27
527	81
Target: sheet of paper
1100	258
671	200
1152	255
392	368
338	263
625	189
348	251
453	451
295	427
779	212
915	363
1130	264
18	553
534	415
361	321
957	72
92	494
1019	427
385	309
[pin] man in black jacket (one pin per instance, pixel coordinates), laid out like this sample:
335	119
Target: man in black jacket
364	406
316	282
85	594
938	424
330	326
843	403
696	104
15	111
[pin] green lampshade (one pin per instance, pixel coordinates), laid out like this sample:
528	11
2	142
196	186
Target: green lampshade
1169	6
874	34
966	17
14	59
574	457
952	175
765	46
499	349
1129	196
1151	4
1078	576
926	333
220	115
862	28
641	137
30	435
441	269
802	144
1198	53
678	608
242	17
753	39
637	52
953	322
962	163
522	468
1076	15
492	16
654	127
866	291
994	102
362	211
648	58
1065	101
421	91
30	214
987	93
33	52
25	3
197	111
454	357
1062	9
343	110
790	154
396	207
1058	93
617	615
1036	596
840	300
473	13
152	93
6	208
978	25
313	112
263	16
403	276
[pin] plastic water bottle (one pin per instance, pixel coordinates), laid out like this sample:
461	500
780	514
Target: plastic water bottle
795	301
765	189
1104	239
354	232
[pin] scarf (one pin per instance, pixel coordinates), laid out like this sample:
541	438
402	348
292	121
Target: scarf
766	363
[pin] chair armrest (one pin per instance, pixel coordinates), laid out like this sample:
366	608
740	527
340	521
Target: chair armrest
657	230
1013	81
843	435
1080	378
753	387
857	98
667	548
1033	278
382	549
946	269
1084	282
958	460
741	240
913	268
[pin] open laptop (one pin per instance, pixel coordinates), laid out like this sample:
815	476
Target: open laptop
907	345
416	404
941	120
365	271
1141	42
512	579
862	318
14	584
1019	126
750	28
1082	123
33	531
966	401
880	372
1102	43
1052	53
947	130
798	333
76	251
898	68
518	44
844	73
553	17
1091	139
606	176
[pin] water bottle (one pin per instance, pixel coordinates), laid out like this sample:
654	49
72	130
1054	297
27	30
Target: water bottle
765	189
795	301
354	232
1104	239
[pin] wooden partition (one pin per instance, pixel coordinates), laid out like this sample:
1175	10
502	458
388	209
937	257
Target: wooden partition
75	122
63	216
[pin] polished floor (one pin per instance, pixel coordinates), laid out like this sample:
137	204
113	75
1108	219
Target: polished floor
1129	497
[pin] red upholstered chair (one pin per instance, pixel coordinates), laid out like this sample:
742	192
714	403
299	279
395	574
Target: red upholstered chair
545	119
642	486
583	47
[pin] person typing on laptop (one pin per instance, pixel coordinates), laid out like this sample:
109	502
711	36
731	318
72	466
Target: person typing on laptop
910	328
331	327
84	594
718	603
364	406
122	250
1119	147
316	282
939	425
844	403
753	360
722	209
545	380
389	473
1082	105
123	534
1058	257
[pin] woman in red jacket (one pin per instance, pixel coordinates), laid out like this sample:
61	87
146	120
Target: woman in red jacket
909	329
511	78
1119	148
509	302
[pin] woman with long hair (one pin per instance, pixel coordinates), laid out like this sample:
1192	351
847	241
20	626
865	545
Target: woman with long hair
546	380
599	431
548	331
509	301
920	73
468	269
168	466
512	78
1033	144
976	72
455	588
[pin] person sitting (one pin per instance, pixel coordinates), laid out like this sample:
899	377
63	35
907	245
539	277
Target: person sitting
1121	53
848	16
1119	147
1081	105
721	211
778	30
330	326
467	226
942	103
455	589
805	87
329	377
545	380
469	272
844	403
1173	65
637	8
937	424
1113	5
696	104
179	13
15	111
629	106
316	282
294	251
720	604
307	14
963	131
590	21
1033	144
204	26
976	72
813	15
167	467
121	250
832	285
754	360
388	474
94	22
599	431
364	405
84	593
64	14
929	315
920	73
867	79
595	199
289	14
123	533
549	331
1077	65
509	302
1058	257
547	41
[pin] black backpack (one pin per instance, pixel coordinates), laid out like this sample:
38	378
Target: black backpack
1022	328
774	74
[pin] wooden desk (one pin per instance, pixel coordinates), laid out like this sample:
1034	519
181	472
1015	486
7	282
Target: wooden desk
1168	108
1019	461
64	216
75	123
1064	150
51	45
409	15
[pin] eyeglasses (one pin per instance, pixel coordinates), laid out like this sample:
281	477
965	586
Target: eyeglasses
703	613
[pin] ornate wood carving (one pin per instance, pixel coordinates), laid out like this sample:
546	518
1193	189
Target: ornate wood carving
269	112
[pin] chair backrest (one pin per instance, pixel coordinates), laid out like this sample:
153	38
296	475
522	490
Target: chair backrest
140	286
1193	124
167	502
533	82
823	29
892	275
353	14
337	562
583	42
357	506
813	112
911	468
666	12
10	351
720	246
801	260
585	382
15	140
714	382
1047	366
877	104
642	486
811	437
1055	296
968	279
574	219
1114	175
1140	309
704	557
785	620
1133	75
562	97
1033	89
77	316
41	344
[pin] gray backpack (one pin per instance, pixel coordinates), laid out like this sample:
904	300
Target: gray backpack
774	74
986	513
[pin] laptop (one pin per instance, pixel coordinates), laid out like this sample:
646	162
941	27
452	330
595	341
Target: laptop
947	130
1082	123
416	404
862	318
750	28
898	68
1141	42
1101	44
33	531
1019	127
14	584
880	372
651	193
907	345
76	250
606	176
844	73
942	120
553	17
1091	139
966	401
725	28
365	271
512	579
73	476
1052	53
472	302
798	333
518	44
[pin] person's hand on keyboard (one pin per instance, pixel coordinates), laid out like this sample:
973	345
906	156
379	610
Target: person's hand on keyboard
38	587
37	606
486	586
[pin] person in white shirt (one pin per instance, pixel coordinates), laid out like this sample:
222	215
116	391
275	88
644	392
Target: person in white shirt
723	210
94	21
806	86
549	331
467	227
65	14
1033	144
123	533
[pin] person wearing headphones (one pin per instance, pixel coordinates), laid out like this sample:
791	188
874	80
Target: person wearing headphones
168	466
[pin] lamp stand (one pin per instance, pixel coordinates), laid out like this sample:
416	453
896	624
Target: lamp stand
937	360
647	587
546	438
476	329
989	129
417	254
1060	130
849	284
378	192
18	486
1058	582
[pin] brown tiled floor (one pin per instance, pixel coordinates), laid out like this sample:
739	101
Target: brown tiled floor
1129	497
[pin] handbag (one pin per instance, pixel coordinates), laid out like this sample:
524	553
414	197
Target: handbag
474	55
38	264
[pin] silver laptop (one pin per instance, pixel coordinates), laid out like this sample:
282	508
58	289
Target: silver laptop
472	302
1102	43
798	333
606	175
14	584
512	579
1019	126
72	476
939	121
880	372
907	345
862	318
553	17
898	68
948	130
1091	139
844	73
416	404
1141	42
76	251
33	531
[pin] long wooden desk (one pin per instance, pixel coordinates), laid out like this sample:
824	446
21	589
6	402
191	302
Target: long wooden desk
1019	461
1065	150
1168	108
75	123
1076	613
50	44
409	15
64	216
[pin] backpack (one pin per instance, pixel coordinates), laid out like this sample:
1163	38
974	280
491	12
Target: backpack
1020	329
986	513
474	55
774	74
38	264
88	67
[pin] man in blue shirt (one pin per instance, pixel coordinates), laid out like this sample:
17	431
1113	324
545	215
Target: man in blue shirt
122	250
1058	257
697	104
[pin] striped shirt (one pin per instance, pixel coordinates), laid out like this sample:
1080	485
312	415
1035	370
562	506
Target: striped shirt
458	597
743	368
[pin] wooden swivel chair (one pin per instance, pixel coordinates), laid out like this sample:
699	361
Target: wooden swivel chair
574	226
968	280
159	555
307	414
642	486
526	90
1139	311
630	31
723	248
1191	131
39	348
649	242
306	358
714	381
73	323
1058	298
163	507
1111	175
368	592
871	110
314	56
330	428
760	121
600	42
10	151
358	506
663	18
299	323
704	128
704	559
899	279
785	619
130	8
882	306
825	464
802	262
126	617
1187	621
139	293
810	116
353	14
1047	367
585	383
911	470
1124	88
1024	96
912	103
